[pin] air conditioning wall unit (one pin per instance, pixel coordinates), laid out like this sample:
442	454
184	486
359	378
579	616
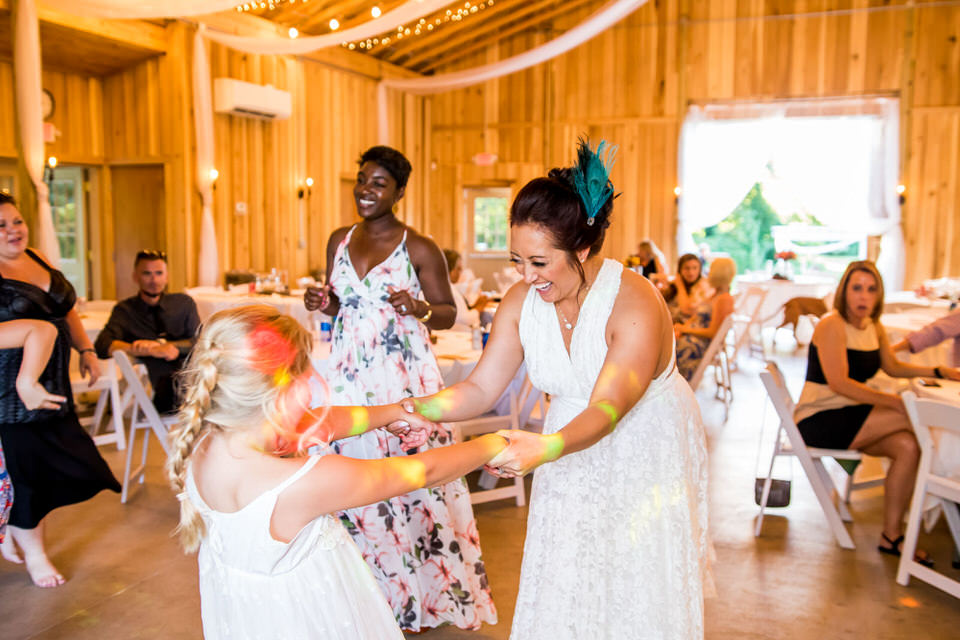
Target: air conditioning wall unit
246	99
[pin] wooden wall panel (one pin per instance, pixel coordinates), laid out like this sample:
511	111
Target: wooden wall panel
632	85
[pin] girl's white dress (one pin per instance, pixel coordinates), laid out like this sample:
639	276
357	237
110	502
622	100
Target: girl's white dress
316	586
616	541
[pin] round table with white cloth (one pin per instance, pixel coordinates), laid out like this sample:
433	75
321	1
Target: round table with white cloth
779	291
212	299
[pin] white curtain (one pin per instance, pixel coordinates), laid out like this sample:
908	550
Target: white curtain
26	54
720	160
140	8
836	159
208	267
604	18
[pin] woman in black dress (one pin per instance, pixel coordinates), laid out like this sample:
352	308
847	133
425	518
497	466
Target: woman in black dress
51	460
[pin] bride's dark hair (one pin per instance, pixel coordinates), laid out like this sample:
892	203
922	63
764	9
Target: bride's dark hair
554	204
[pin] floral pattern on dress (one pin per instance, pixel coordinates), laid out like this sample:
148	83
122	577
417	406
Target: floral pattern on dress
690	348
6	495
422	547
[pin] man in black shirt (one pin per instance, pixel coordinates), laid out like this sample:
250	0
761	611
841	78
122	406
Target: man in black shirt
158	328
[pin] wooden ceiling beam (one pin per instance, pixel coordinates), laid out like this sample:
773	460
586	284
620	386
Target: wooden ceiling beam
522	26
449	30
132	33
470	33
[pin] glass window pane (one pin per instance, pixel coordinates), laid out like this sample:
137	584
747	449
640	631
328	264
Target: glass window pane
490	223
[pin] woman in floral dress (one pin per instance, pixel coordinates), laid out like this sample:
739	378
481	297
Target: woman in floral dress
423	547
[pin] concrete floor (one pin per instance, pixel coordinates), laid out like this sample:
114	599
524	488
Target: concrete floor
127	578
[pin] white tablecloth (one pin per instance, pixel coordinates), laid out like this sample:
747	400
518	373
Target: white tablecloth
212	299
779	291
898	325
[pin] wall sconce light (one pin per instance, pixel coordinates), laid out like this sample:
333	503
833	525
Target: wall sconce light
48	176
213	174
901	190
676	194
306	190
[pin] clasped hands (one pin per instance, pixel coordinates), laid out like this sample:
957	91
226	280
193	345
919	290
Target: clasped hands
155	349
525	451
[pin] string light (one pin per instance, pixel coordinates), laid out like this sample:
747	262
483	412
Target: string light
257	5
375	12
293	33
334	24
421	25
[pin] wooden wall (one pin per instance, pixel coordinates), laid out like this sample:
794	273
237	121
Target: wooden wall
632	85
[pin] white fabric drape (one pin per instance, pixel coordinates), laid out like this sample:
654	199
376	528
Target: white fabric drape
388	22
605	17
720	160
141	9
836	159
208	263
26	54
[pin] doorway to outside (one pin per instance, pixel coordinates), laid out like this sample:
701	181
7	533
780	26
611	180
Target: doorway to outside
809	181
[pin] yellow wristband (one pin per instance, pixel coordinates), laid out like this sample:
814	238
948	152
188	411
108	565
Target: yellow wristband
427	315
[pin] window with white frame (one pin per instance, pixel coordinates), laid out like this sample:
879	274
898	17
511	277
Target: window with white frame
487	210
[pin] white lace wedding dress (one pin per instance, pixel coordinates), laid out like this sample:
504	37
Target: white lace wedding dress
617	540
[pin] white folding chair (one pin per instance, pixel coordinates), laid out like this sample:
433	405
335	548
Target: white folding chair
522	404
923	415
789	442
716	355
144	417
747	323
108	388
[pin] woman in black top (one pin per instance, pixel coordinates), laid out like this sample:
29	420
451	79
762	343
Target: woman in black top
839	410
51	460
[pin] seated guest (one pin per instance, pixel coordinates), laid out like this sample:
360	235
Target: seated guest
694	335
651	260
159	328
839	410
468	315
933	334
688	289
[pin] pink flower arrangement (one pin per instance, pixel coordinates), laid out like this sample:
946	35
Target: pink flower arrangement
785	255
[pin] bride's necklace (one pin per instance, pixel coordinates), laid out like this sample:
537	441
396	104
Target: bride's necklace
566	323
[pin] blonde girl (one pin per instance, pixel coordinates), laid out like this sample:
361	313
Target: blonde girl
274	559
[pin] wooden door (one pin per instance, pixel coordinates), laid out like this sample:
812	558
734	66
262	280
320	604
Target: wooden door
138	220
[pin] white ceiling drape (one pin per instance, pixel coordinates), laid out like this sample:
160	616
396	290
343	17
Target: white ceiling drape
281	44
208	267
26	65
140	9
605	17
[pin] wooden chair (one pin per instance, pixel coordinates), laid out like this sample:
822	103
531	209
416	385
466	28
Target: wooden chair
789	442
144	417
923	415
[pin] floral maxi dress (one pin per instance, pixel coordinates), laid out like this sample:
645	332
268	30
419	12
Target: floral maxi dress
423	547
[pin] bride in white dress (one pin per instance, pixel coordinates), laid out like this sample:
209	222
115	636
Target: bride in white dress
617	539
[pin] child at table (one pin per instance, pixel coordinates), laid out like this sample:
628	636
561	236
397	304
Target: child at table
275	561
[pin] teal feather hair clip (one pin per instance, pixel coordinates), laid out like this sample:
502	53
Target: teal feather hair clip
591	175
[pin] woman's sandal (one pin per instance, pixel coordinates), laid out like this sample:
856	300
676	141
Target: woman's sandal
894	550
